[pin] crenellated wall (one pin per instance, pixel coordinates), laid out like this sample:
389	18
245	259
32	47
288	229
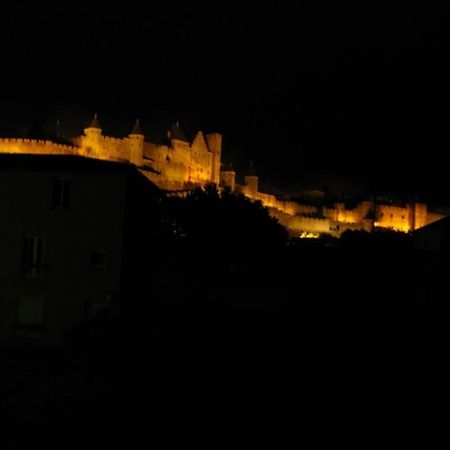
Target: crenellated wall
107	147
314	225
35	147
395	217
299	218
228	179
250	190
179	164
175	165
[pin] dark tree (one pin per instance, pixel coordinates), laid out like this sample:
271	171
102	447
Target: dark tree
209	222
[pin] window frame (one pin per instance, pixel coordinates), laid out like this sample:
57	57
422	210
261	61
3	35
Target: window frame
30	328
102	266
33	256
61	193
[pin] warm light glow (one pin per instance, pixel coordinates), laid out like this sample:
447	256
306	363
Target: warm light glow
307	235
178	166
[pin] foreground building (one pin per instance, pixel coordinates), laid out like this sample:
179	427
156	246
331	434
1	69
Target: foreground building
433	237
75	234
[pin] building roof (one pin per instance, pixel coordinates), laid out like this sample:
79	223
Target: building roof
37	132
137	129
177	133
227	167
251	170
433	227
23	162
174	132
95	123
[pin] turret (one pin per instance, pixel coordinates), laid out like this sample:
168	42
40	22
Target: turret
214	141
228	178
91	141
94	130
175	134
251	181
418	214
136	141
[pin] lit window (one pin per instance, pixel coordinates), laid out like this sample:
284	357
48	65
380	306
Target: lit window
99	259
61	193
33	249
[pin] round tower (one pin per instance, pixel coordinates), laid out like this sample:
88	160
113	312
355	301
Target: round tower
251	181
228	178
214	141
91	141
94	130
136	144
418	215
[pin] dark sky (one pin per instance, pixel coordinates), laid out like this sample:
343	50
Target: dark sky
301	90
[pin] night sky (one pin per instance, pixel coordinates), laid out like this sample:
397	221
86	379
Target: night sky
312	94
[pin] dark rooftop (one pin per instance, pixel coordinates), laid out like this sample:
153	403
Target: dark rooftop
62	162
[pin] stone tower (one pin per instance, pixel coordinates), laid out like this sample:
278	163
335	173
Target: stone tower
214	141
94	130
417	215
251	181
136	140
228	178
92	138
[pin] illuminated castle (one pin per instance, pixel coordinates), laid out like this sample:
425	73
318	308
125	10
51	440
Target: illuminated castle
179	164
306	220
174	164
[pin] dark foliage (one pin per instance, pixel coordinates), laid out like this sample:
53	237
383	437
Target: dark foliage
380	240
208	222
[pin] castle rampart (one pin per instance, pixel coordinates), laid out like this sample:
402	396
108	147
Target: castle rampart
35	147
178	164
313	220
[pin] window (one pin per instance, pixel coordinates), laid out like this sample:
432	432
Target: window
30	314
98	305
33	252
61	193
99	259
30	311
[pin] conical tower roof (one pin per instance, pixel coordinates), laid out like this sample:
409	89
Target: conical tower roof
95	123
251	170
37	131
177	133
137	129
227	167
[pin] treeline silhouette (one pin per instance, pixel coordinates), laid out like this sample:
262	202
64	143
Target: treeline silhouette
220	224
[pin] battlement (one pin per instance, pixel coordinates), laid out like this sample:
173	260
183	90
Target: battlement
113	139
35	146
179	164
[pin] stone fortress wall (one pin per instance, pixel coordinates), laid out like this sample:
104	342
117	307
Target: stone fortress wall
34	147
179	164
311	221
176	164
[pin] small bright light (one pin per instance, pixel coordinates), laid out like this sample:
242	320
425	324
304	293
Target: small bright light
307	235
